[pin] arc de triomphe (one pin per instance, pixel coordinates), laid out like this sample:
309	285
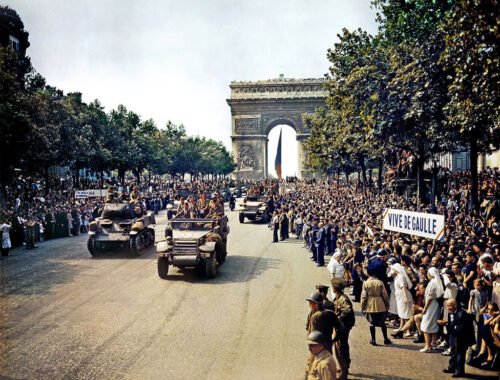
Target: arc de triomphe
257	107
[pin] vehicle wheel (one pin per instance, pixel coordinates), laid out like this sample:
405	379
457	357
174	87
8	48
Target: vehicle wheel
91	246
151	238
162	264
220	252
135	245
242	218
210	267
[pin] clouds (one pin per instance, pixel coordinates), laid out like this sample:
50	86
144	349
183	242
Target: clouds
174	60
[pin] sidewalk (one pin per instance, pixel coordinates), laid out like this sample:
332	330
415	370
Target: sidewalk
401	360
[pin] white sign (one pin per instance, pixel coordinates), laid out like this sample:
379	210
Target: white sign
414	223
80	194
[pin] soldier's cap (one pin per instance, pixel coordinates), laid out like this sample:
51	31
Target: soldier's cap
316	337
337	283
316	297
321	288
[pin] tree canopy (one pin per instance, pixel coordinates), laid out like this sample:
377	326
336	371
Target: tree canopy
41	126
426	83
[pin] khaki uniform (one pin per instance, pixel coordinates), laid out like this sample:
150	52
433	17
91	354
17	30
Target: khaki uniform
322	367
135	196
344	311
374	297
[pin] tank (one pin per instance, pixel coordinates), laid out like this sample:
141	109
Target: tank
122	225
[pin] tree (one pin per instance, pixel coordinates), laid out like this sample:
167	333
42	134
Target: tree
14	122
471	53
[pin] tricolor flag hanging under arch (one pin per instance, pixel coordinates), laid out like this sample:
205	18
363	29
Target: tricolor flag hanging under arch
277	160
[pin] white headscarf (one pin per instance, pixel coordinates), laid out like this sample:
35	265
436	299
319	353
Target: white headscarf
436	280
398	268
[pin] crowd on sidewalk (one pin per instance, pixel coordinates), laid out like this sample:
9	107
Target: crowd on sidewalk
444	294
35	209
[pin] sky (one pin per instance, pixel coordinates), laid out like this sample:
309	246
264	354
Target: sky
174	59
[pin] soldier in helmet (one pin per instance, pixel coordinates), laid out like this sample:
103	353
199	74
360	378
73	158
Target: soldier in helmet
322	366
345	312
322	319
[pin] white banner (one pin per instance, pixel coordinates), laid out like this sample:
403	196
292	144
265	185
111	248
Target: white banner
80	194
414	223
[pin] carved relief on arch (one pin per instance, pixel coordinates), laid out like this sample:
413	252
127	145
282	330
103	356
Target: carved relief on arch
246	125
246	157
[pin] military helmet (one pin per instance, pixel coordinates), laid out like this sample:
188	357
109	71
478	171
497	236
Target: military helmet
316	337
322	288
337	283
316	297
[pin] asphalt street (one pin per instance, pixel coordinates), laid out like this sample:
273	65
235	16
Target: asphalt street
66	315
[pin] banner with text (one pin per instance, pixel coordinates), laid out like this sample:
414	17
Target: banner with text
80	194
414	223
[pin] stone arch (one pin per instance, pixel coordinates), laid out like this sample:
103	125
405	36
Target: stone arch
283	120
257	107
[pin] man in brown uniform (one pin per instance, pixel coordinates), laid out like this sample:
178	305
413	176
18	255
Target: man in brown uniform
322	366
344	311
324	321
323	290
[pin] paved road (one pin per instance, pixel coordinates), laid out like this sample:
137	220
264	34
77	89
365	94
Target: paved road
65	315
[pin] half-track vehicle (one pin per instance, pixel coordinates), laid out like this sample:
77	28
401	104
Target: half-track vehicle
122	225
196	243
254	207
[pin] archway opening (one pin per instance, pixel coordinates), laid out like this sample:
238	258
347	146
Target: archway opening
289	158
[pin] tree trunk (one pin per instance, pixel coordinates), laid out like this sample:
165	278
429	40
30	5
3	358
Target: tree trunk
77	177
46	175
473	174
420	160
363	173
380	174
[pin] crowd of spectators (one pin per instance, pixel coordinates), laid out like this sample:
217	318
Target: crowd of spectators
33	209
420	275
424	279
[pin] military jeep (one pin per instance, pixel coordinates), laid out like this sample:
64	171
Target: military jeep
195	243
254	207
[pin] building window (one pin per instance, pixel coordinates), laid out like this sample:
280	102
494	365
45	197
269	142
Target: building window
14	43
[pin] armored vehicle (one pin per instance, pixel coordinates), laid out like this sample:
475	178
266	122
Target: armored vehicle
196	243
122	225
254	207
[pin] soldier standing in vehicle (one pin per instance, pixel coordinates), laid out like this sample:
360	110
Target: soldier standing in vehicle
135	195
216	209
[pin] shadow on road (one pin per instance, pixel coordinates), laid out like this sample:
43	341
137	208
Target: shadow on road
360	376
378	377
123	254
237	269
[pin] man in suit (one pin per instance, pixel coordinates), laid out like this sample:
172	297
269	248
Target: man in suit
320	245
461	329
